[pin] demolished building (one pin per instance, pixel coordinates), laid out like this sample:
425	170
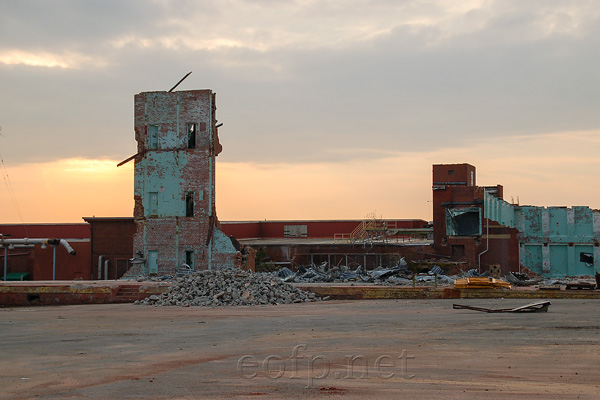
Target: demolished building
553	241
174	190
474	223
175	223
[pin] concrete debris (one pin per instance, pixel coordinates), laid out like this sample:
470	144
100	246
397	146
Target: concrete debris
473	273
229	288
425	278
398	280
436	270
382	273
404	275
519	279
397	275
321	273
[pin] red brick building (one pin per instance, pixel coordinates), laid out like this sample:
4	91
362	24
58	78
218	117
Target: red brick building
304	229
111	246
105	246
37	260
460	230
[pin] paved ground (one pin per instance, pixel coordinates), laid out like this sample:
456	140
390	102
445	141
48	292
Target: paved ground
396	348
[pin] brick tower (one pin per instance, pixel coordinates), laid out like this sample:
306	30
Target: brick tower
174	192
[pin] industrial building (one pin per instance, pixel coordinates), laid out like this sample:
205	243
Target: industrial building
475	224
175	222
36	259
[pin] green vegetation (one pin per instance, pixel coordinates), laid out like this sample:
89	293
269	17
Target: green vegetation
263	261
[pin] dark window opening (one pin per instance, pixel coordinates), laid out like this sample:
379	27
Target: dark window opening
122	267
189	204
463	221
191	131
587	258
299	231
153	136
189	258
451	172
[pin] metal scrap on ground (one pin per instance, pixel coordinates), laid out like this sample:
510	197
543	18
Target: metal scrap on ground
399	274
540	306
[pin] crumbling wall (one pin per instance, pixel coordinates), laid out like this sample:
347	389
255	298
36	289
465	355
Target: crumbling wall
174	187
553	241
460	224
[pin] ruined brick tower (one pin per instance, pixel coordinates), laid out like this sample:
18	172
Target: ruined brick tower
176	134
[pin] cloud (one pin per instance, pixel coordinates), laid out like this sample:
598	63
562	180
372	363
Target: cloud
49	60
298	81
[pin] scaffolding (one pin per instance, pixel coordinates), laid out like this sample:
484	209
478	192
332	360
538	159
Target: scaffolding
378	230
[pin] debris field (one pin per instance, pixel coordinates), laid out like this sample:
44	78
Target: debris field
230	287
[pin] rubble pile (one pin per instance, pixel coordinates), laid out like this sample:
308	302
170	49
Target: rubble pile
229	288
519	279
396	275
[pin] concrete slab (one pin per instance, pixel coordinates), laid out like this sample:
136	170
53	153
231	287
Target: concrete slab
365	291
124	291
344	349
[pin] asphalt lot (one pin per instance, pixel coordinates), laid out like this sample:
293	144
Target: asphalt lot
337	349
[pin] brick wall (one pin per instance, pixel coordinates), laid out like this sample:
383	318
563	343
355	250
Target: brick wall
456	190
167	171
314	229
111	238
38	261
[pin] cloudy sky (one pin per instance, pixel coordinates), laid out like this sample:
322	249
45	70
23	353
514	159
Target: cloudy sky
331	109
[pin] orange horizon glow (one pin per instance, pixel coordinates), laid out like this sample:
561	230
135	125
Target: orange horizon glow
557	173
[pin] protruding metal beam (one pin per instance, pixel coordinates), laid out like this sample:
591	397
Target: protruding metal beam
181	80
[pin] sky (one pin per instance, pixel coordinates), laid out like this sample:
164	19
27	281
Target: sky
331	109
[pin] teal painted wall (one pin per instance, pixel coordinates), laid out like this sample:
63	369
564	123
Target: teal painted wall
169	167
551	239
165	180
